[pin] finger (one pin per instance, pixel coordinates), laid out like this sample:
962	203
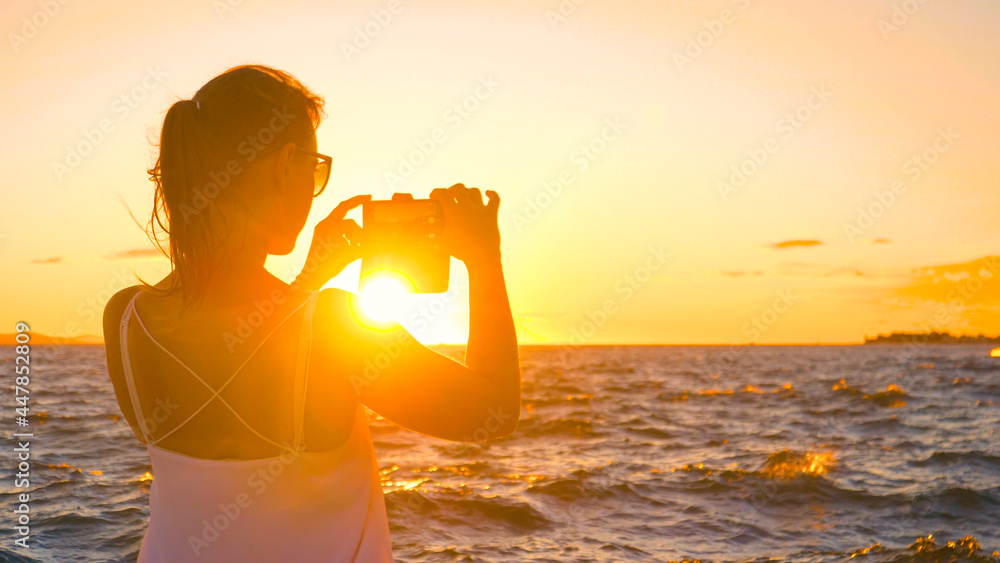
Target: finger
474	195
332	222
351	230
348	204
444	195
494	199
327	240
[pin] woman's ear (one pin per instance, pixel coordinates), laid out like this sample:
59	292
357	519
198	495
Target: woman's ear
281	171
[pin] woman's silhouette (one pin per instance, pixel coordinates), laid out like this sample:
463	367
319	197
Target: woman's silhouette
248	391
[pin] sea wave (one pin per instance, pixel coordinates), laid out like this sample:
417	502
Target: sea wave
812	454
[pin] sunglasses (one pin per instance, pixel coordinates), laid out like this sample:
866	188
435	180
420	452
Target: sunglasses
322	170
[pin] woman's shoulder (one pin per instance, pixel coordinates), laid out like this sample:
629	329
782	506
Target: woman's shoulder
115	308
340	310
332	310
340	318
333	296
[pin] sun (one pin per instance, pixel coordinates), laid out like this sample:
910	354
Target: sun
383	298
386	300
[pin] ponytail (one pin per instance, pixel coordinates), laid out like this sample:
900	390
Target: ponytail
200	140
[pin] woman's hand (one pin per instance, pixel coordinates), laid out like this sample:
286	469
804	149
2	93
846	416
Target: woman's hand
335	244
471	233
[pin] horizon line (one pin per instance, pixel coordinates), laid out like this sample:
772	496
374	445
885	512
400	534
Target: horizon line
94	340
90	340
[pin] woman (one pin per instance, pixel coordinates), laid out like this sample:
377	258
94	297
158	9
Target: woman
247	391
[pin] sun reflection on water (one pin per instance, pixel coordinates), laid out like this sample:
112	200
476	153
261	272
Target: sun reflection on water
788	464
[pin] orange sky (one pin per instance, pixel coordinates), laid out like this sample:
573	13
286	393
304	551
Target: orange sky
669	174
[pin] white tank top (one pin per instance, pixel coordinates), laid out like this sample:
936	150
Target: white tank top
298	506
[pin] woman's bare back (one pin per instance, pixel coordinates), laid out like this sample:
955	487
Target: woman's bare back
259	326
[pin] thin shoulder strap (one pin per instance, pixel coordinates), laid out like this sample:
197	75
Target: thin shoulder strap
302	371
127	366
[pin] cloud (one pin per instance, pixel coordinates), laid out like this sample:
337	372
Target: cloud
965	295
53	260
135	253
795	244
852	272
811	270
740	273
984	268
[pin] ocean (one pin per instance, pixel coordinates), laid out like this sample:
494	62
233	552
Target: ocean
659	453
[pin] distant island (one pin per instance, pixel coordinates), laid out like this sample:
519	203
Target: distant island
930	338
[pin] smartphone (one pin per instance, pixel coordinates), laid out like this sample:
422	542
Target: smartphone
402	236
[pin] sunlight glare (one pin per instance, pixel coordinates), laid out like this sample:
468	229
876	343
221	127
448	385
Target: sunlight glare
383	298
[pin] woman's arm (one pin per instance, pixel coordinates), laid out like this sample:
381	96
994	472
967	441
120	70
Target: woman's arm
492	348
399	378
415	387
113	313
472	235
